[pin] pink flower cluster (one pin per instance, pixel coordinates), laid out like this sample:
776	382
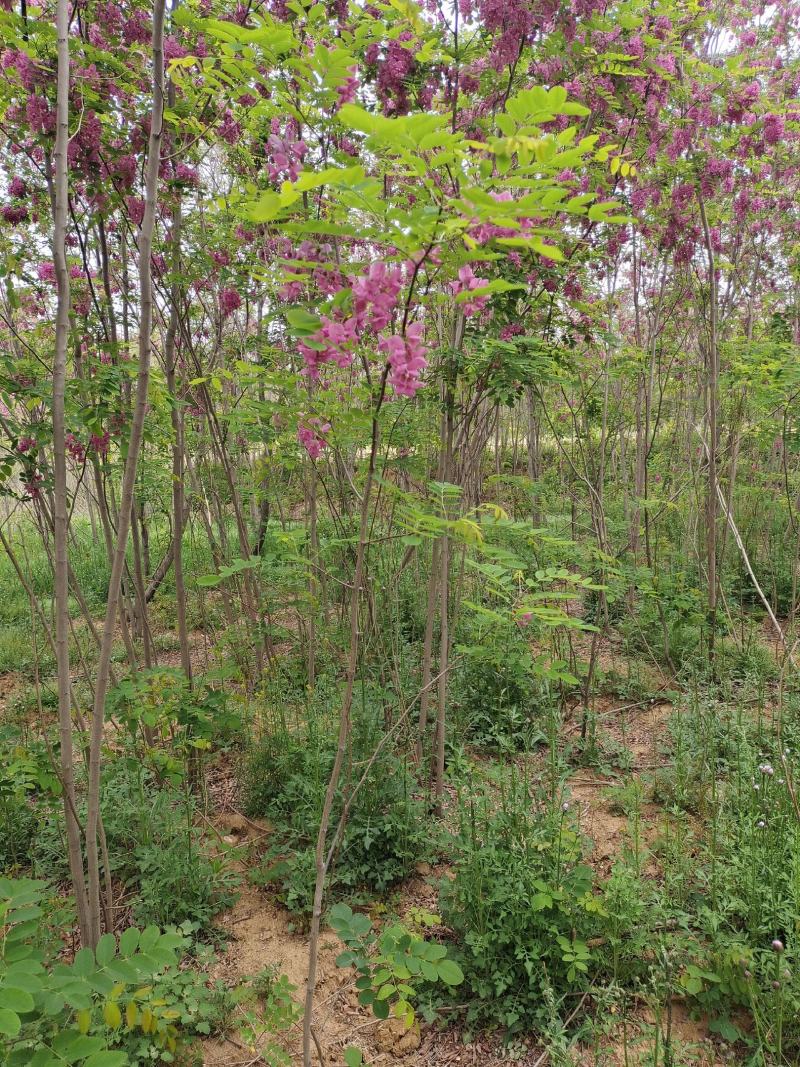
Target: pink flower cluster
331	343
98	443
374	300
466	283
76	450
286	157
375	296
406	358
346	92
311	436
16	212
229	301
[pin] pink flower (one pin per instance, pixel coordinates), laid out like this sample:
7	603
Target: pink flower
46	272
311	436
229	301
15	213
466	283
512	330
346	92
406	358
186	175
774	128
135	209
75	448
33	485
286	157
25	444
375	295
100	442
331	343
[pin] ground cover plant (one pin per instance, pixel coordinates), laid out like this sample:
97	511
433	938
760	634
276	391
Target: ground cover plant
399	532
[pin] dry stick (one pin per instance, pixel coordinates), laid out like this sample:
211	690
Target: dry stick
129	475
748	565
376	752
57	179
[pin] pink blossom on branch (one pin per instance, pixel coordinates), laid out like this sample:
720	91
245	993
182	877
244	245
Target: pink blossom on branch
406	358
229	301
466	283
311	436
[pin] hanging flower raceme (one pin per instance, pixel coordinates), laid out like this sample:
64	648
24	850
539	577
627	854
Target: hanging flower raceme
229	301
333	342
406	358
375	296
311	435
466	283
286	157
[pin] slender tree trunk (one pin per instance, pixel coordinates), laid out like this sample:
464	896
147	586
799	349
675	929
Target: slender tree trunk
322	859
178	426
129	475
712	402
427	652
60	192
534	456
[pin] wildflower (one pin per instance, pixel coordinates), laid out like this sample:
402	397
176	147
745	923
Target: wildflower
777	945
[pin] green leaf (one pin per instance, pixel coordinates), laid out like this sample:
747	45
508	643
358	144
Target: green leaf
83	963
265	209
107	1059
129	941
17	1000
9	1022
302	322
353	1057
725	1028
450	973
106	949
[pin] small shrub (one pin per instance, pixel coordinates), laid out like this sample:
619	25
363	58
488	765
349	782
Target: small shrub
386	832
521	906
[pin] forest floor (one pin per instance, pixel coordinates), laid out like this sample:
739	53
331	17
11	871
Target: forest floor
262	933
259	932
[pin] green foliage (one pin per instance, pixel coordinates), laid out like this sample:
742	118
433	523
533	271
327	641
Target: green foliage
63	1012
498	701
391	965
153	846
386	830
178	882
26	777
521	904
160	704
